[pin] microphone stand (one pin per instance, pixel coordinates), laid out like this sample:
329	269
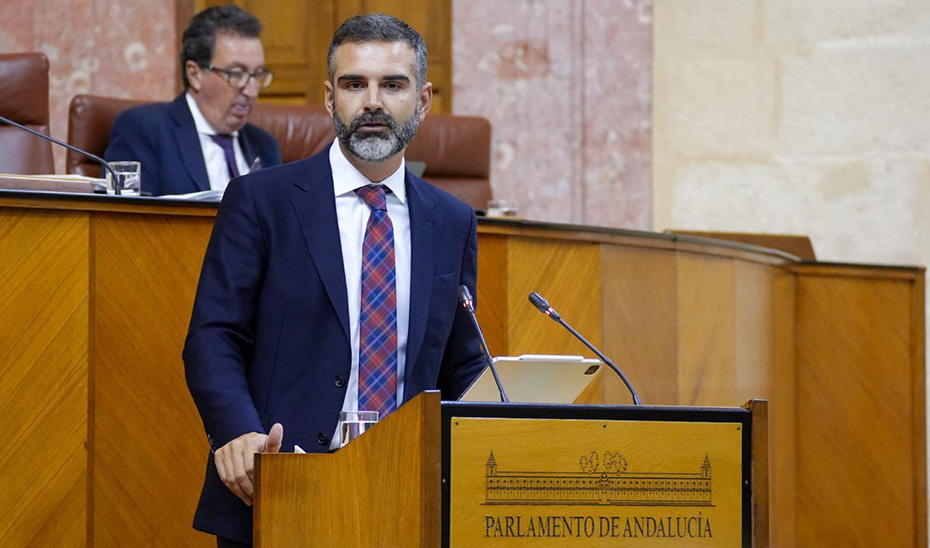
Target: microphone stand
546	309
97	159
468	304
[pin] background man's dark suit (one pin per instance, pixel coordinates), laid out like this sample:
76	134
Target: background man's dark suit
269	336
163	137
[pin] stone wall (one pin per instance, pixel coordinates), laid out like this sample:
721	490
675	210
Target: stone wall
791	116
567	87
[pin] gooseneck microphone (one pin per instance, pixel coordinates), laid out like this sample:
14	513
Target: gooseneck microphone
544	307
93	157
466	301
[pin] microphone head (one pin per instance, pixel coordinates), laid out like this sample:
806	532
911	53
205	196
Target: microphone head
544	306
539	302
465	297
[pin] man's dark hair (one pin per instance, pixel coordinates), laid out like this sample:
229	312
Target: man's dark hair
379	27
199	40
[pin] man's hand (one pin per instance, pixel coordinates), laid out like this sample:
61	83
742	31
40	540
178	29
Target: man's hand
236	459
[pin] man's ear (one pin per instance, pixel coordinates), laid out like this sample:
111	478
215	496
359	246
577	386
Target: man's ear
426	99
328	96
194	74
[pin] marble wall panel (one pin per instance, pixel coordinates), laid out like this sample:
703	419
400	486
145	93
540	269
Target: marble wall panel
567	87
117	48
617	94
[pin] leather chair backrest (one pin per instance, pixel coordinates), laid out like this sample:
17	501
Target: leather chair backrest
24	99
457	154
89	121
301	130
456	149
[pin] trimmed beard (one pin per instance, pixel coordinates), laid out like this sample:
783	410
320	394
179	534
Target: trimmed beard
376	147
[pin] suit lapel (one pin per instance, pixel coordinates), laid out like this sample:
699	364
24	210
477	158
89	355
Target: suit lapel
314	202
188	142
245	143
425	233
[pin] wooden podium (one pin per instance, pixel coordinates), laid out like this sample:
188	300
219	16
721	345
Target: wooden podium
452	474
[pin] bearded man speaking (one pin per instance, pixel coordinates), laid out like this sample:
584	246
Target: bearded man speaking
330	284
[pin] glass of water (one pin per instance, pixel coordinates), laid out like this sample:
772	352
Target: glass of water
502	208
129	178
353	424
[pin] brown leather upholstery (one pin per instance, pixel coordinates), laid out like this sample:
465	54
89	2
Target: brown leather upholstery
89	122
457	153
455	149
24	99
301	130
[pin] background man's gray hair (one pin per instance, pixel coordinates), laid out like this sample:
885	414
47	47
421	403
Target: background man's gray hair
379	27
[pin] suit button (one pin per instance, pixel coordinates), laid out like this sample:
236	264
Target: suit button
340	381
322	439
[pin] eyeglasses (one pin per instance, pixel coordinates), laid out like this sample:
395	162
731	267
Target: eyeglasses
240	78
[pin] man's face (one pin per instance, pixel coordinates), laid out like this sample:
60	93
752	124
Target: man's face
374	99
225	107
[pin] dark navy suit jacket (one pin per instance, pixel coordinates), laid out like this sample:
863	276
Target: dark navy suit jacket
269	334
163	137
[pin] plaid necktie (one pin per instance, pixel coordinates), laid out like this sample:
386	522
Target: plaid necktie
226	142
377	356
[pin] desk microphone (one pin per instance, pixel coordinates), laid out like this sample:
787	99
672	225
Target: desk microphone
544	307
97	159
466	301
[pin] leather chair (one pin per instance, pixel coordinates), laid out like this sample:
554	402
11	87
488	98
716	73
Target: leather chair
24	99
455	149
89	121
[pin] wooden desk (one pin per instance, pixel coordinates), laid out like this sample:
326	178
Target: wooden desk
104	446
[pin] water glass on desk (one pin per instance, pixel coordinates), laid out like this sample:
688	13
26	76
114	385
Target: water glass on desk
353	424
129	178
502	208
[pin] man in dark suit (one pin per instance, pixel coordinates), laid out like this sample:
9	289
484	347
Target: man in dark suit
201	140
330	284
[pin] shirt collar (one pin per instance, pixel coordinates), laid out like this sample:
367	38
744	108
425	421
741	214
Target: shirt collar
346	178
201	123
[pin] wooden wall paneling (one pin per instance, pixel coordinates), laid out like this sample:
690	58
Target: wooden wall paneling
761	533
764	347
433	20
753	335
783	414
856	410
568	276
43	377
146	275
640	323
296	35
919	382
287	34
706	330
491	305
846	365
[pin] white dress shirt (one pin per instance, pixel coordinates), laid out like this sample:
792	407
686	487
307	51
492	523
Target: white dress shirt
213	156
352	214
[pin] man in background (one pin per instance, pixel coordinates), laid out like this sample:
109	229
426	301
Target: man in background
330	283
203	139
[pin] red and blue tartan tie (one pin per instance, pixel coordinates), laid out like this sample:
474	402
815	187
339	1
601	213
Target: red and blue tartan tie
377	351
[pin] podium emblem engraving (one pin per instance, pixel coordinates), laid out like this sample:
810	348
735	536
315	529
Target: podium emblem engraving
602	480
